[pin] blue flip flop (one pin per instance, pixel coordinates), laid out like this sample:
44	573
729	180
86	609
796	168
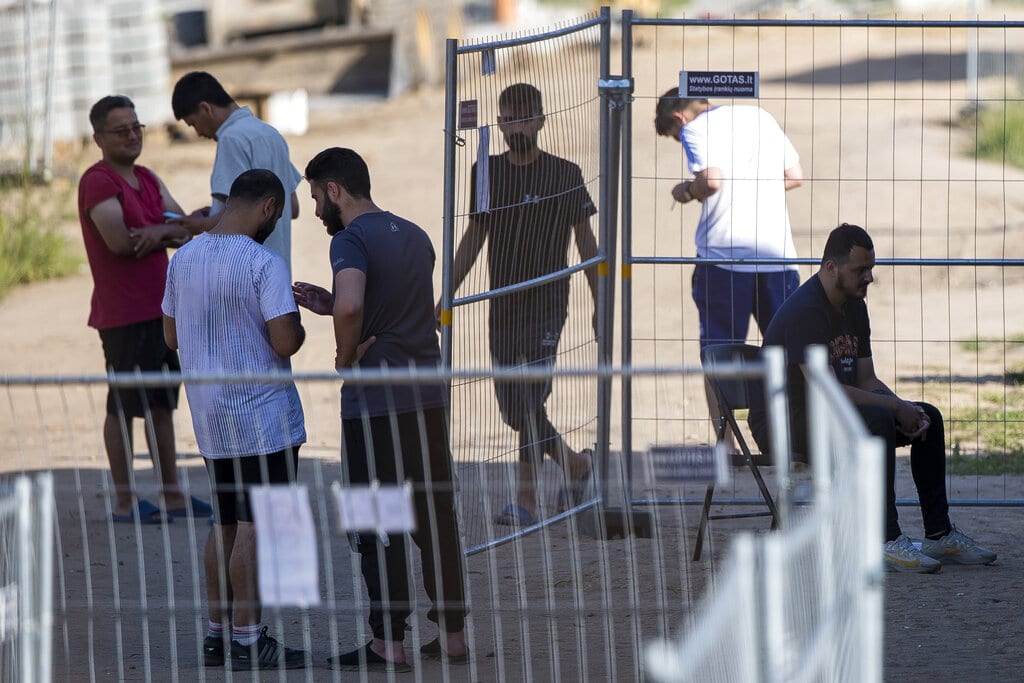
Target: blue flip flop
147	514
196	508
514	515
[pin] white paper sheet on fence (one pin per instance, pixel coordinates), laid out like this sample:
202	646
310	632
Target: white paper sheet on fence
285	546
380	509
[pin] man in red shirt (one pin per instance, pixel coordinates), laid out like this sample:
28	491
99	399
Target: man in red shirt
121	209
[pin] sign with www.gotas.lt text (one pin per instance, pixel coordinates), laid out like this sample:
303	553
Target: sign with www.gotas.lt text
718	83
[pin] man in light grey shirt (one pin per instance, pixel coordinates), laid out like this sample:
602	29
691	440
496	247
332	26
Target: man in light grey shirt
243	142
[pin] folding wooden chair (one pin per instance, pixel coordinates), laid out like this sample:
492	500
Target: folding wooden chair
733	393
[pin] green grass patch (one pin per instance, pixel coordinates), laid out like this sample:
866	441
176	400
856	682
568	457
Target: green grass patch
987	465
1000	134
976	344
988	439
31	249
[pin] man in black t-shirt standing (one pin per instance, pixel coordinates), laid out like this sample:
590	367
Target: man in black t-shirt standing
829	309
527	207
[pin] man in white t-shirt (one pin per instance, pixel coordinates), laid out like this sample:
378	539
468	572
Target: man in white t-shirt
743	164
243	142
228	309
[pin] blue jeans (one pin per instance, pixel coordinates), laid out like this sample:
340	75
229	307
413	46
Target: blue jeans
726	299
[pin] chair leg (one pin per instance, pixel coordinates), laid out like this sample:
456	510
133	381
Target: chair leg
769	501
702	527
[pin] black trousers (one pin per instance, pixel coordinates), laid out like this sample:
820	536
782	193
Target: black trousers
394	449
927	461
927	465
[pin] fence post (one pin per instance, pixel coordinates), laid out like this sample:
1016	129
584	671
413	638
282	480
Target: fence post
627	251
43	513
778	410
448	218
608	129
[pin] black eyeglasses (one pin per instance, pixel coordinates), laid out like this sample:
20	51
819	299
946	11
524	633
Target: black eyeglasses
124	131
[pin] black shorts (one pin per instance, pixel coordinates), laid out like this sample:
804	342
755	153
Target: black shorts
139	346
535	346
230	479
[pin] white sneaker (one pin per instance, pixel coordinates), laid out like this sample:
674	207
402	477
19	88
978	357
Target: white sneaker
956	547
902	555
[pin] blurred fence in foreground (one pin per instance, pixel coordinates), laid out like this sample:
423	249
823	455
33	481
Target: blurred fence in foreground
572	599
26	578
803	603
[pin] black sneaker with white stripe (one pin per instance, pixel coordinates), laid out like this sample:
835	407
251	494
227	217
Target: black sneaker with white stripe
265	653
213	651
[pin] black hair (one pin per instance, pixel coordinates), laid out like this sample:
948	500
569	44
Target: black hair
195	87
100	110
257	184
669	103
522	99
342	166
842	240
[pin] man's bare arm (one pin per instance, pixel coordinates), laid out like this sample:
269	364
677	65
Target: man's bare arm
108	216
794	177
467	252
349	292
286	334
704	184
170	333
870	390
465	256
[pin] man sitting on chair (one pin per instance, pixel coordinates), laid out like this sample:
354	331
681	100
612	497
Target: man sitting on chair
829	309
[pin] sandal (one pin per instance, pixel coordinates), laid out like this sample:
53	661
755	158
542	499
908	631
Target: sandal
145	512
514	515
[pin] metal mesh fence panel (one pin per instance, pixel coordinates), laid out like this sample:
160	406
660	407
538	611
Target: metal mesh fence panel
890	119
524	166
130	598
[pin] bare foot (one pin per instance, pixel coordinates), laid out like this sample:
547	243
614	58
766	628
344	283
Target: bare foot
391	650
175	500
455	644
580	465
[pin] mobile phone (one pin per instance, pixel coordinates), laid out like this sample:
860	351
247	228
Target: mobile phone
170	215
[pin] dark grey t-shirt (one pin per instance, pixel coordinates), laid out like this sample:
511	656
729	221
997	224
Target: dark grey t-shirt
398	308
807	318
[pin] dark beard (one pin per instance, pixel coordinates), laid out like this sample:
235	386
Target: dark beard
263	232
520	142
332	218
854	291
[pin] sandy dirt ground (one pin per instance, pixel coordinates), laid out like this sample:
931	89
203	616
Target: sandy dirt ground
559	606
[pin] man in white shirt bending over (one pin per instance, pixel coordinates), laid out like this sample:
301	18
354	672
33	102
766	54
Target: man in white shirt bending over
743	164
